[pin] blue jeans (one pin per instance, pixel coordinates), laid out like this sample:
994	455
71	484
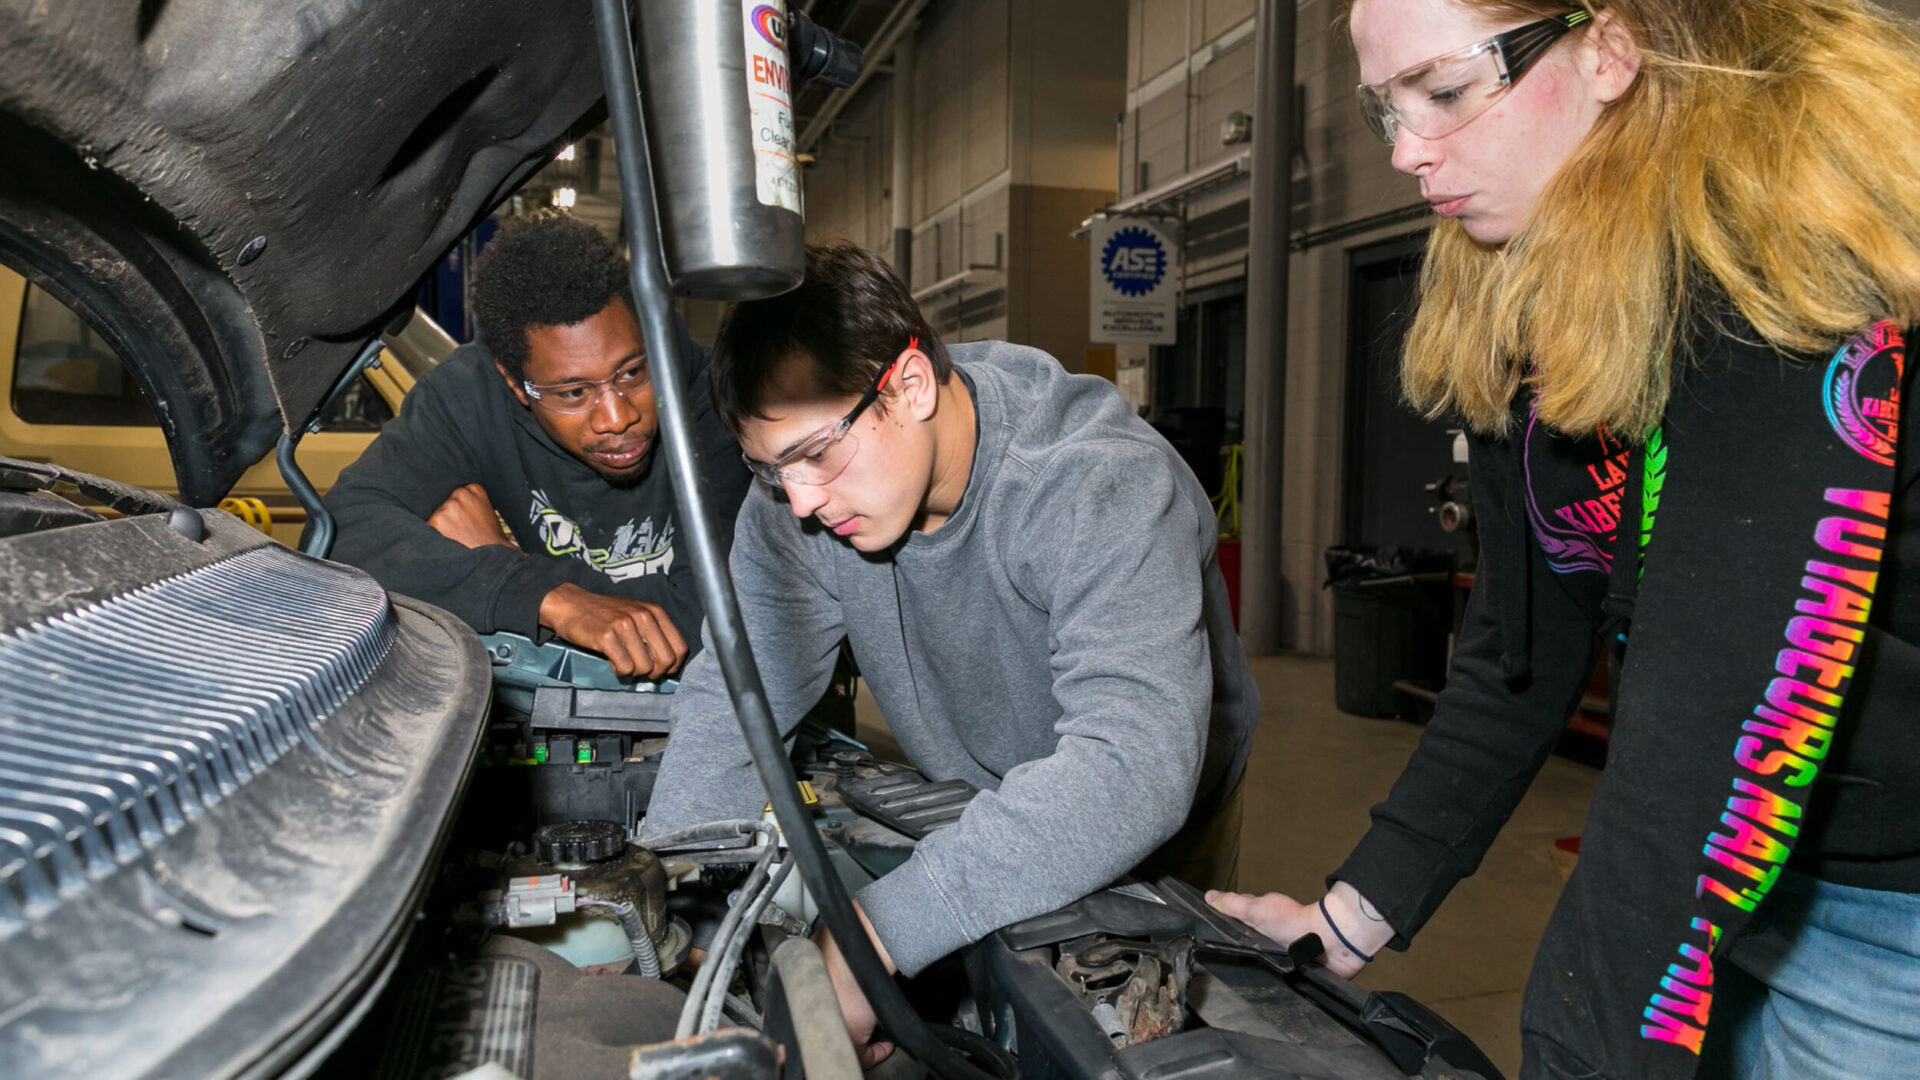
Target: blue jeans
1825	985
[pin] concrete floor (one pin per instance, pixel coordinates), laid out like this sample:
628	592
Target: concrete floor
1315	772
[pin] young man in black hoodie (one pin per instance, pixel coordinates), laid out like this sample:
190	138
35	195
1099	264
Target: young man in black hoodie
518	487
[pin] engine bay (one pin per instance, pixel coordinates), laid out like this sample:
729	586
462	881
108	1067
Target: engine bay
325	831
1141	980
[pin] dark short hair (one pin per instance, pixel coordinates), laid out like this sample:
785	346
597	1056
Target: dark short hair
850	317
552	269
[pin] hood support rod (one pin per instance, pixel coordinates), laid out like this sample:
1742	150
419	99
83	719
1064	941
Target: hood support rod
319	537
654	300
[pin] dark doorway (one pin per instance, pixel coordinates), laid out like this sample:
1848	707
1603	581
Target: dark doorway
1199	383
1392	453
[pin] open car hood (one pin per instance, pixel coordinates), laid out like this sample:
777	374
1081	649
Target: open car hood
238	195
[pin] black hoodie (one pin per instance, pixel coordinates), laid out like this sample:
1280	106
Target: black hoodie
1766	512
462	425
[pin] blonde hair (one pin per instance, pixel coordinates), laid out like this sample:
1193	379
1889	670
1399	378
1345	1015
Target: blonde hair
1765	157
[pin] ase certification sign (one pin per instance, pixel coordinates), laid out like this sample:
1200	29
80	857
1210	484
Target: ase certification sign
1136	274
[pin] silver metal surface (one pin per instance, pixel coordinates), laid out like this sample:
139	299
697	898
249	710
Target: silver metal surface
721	241
124	720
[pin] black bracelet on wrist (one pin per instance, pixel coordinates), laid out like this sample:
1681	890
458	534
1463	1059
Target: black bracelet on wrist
1331	925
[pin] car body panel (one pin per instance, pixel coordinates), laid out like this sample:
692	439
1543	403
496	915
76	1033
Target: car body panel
138	454
279	179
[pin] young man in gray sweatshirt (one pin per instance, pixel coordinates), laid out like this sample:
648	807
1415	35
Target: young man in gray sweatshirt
1026	573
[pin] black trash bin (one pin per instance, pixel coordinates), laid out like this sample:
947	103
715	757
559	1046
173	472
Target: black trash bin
1391	612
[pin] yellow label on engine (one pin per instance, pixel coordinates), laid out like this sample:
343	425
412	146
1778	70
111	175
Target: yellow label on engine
808	796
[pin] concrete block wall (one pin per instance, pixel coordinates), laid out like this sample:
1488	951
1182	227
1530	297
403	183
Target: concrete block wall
1174	125
1012	147
1012	138
846	191
956	238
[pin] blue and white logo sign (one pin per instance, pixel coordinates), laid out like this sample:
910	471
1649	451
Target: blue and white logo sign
1135	265
1134	260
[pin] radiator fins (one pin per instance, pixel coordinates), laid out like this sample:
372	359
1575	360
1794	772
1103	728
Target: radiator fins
122	722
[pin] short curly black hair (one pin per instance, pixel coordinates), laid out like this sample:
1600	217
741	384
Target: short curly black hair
552	269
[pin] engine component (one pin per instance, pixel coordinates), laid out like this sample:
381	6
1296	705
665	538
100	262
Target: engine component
205	718
457	1005
523	668
1108	1018
1201	995
908	802
571	843
532	901
1135	990
826	1052
646	958
736	946
622	889
723	1055
232	768
572	740
704	981
1094	984
1154	1001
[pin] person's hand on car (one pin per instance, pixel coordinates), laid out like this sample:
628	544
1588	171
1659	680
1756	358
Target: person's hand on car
854	1008
1285	919
636	637
467	517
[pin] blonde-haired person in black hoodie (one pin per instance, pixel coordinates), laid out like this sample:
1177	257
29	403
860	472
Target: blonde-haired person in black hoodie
1670	292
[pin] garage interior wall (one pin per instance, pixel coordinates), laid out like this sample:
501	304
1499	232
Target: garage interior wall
1015	103
1190	69
1346	197
1012	147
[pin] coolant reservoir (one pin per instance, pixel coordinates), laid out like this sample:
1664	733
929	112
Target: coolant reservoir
603	866
586	939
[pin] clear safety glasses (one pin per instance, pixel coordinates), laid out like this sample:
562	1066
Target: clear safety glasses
581	395
821	457
1438	97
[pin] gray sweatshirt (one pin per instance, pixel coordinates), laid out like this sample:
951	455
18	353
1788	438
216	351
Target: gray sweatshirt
1063	642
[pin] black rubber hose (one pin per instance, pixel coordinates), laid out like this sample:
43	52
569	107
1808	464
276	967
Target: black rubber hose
654	300
978	1049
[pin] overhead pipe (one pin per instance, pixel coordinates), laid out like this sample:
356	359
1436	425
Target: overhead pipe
898	23
903	157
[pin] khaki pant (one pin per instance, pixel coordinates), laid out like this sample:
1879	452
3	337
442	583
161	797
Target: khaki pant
1203	853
